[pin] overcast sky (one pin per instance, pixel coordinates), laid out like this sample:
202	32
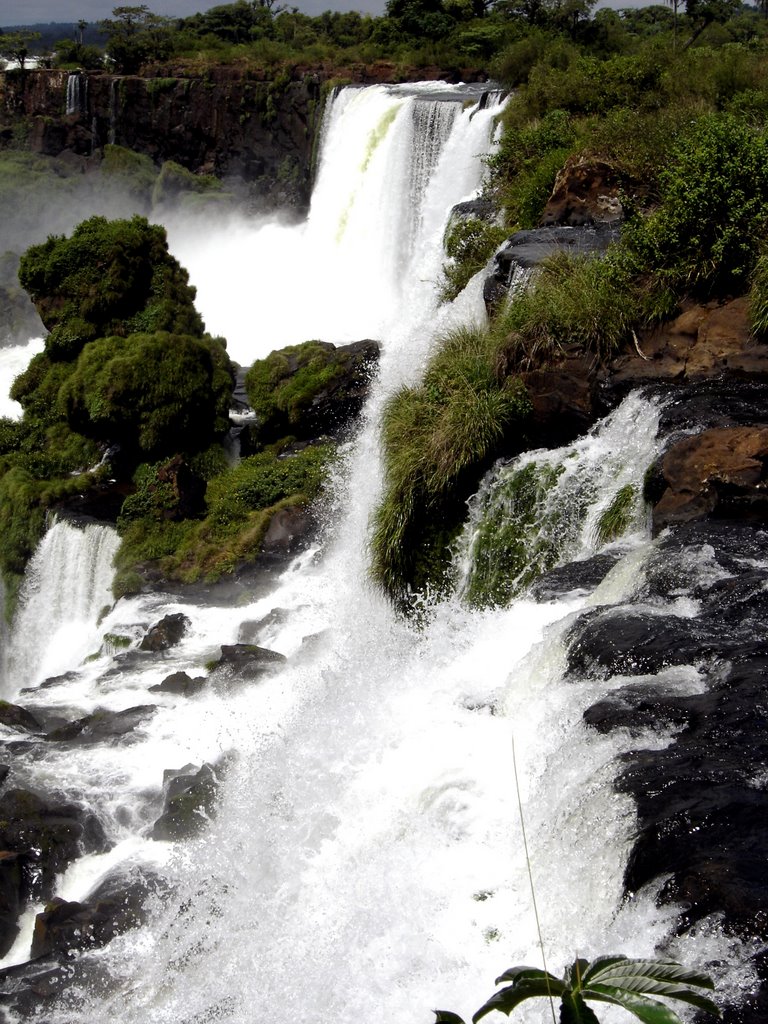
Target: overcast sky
29	12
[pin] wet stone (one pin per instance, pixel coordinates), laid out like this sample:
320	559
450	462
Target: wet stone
582	577
16	717
103	725
180	683
189	803
244	662
166	633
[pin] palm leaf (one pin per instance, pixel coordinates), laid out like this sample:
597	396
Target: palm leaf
618	970
649	1011
524	988
657	988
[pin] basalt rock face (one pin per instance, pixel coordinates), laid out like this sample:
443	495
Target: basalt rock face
225	123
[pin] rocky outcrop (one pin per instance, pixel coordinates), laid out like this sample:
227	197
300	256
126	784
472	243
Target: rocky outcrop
586	191
180	683
16	717
166	633
39	838
703	341
225	123
244	662
525	250
189	802
717	473
103	725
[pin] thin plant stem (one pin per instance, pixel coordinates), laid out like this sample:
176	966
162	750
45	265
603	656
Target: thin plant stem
530	880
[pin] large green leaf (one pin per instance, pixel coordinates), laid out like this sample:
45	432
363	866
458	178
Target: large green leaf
649	1011
620	970
508	998
573	1010
574	975
659	988
446	1017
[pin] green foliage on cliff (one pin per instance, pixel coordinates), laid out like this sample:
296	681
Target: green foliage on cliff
157	393
239	505
437	438
281	387
469	244
108	277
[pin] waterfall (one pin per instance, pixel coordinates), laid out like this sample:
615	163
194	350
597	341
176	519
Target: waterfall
66	586
365	859
548	507
77	93
113	104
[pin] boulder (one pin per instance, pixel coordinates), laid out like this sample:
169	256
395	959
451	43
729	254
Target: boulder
703	341
180	683
103	725
309	391
582	576
720	472
249	632
16	717
115	906
189	802
46	837
562	402
12	891
166	633
586	191
244	662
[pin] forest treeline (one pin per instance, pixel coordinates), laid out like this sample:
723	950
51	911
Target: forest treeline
485	33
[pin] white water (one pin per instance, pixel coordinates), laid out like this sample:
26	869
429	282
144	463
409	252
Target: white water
366	860
12	361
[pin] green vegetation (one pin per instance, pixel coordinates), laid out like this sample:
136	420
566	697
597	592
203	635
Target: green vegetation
436	436
469	244
238	508
127	369
281	387
617	980
617	517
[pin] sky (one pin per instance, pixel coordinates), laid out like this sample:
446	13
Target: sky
29	12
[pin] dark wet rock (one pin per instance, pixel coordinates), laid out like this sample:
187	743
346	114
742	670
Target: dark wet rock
103	725
527	249
335	384
45	836
181	683
583	577
586	191
631	643
563	402
713	402
12	891
249	632
639	708
190	798
290	530
166	633
4	772
16	717
245	661
703	805
115	906
721	472
51	681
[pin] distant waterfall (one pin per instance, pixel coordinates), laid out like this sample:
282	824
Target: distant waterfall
77	93
66	586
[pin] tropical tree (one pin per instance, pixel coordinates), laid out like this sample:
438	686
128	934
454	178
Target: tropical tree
15	46
608	979
135	35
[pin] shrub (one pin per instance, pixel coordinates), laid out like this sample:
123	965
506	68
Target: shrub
437	438
109	277
469	244
151	392
704	238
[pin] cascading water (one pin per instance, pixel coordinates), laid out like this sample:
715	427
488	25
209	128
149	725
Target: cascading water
365	860
77	93
67	584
